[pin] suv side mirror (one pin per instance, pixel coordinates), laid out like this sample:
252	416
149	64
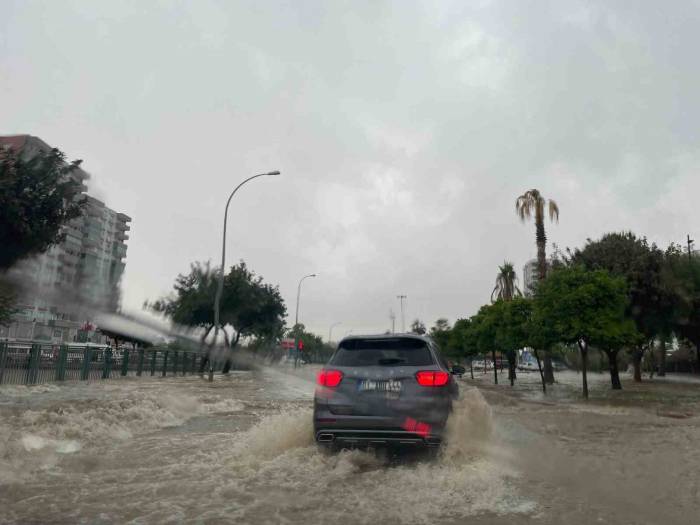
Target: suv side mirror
458	370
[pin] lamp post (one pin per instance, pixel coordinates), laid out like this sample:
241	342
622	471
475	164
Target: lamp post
330	331
296	319
403	318
220	285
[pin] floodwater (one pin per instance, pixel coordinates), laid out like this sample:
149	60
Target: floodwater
240	450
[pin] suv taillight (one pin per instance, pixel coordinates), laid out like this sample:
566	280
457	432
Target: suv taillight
329	378
432	378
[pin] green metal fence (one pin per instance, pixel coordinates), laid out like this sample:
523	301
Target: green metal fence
31	363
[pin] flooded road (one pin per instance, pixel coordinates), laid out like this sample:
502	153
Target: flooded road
240	450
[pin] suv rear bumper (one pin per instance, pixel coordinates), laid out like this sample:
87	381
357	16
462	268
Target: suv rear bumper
353	438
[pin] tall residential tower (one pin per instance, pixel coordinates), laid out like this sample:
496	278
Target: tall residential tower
61	289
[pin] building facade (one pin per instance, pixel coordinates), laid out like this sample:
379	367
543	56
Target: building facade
62	289
530	275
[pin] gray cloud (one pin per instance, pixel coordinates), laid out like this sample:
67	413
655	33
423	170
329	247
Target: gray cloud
404	133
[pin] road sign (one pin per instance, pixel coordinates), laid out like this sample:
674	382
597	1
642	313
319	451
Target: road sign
287	344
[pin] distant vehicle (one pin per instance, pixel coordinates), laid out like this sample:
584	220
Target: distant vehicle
558	365
501	363
528	366
384	391
482	365
458	370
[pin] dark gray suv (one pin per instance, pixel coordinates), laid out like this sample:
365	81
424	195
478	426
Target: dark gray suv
383	391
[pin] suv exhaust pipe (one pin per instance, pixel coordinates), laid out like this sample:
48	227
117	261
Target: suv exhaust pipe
325	437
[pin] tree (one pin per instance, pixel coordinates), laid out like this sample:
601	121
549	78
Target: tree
462	342
641	265
514	330
441	333
587	308
541	335
192	303
484	335
506	287
249	307
418	327
38	196
682	278
7	301
532	204
505	291
504	326
314	349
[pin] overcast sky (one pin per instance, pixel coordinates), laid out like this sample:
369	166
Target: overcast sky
404	132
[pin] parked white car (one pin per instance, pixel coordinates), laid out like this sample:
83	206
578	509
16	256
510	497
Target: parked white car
528	366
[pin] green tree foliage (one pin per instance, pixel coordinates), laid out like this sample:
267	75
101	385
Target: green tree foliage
7	301
506	283
641	265
440	333
462	343
483	335
193	300
586	308
314	349
37	197
682	278
504	327
249	306
514	330
418	327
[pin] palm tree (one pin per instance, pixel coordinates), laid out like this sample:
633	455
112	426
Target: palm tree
505	290
533	203
506	287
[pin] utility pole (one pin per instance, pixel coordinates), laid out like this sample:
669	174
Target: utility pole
392	316
690	246
403	317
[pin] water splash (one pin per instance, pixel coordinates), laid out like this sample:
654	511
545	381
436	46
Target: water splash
278	455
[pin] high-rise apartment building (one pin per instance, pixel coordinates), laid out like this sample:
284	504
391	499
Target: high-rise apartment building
530	275
64	287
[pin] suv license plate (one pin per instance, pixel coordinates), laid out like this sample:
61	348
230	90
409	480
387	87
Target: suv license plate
372	385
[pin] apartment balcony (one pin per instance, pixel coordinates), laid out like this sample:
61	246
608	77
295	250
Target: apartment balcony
119	250
91	243
94	211
123	217
121	236
68	259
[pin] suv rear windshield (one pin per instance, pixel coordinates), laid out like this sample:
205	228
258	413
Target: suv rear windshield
383	352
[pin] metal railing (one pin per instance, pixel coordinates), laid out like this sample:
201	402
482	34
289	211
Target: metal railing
31	363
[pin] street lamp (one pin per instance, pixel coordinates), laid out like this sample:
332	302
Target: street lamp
330	330
220	285
403	318
296	318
